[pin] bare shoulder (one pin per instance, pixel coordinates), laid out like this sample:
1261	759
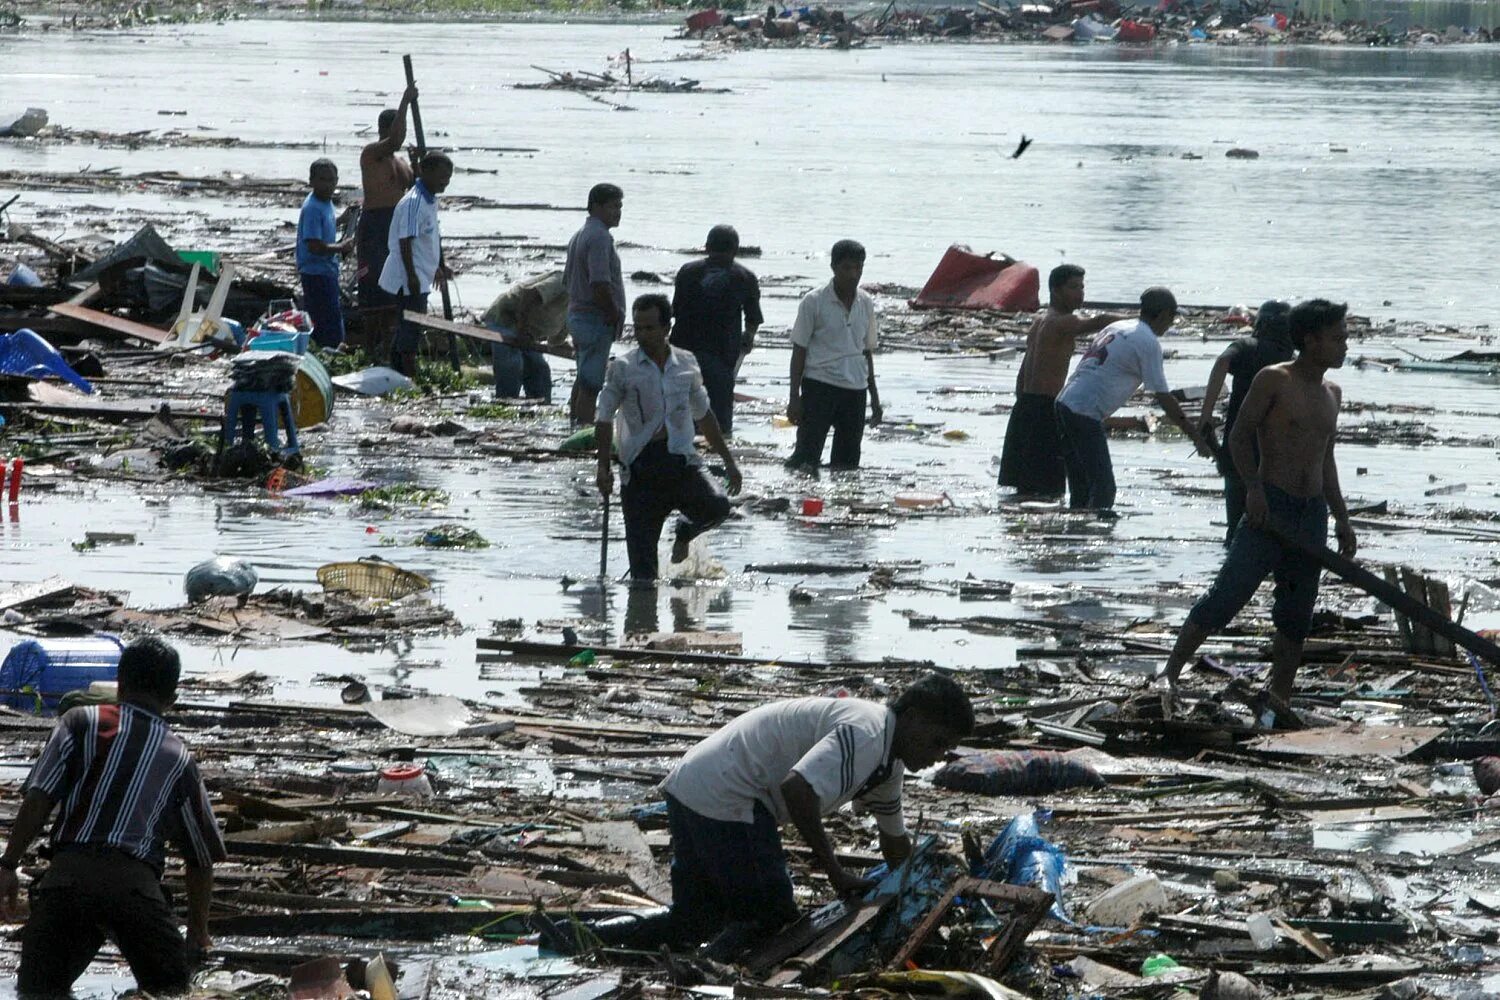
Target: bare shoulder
1334	389
1060	325
1272	377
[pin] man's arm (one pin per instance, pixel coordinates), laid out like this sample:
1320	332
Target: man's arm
794	402
1333	495
604	475
1211	394
1168	402
806	812
1242	443
200	891
28	824
396	137
413	286
708	426
877	413
604	298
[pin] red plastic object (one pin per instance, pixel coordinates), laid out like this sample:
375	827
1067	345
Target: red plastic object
812	506
1135	31
705	19
965	280
402	772
15	478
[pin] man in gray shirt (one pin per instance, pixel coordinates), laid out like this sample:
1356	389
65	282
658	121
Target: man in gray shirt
596	298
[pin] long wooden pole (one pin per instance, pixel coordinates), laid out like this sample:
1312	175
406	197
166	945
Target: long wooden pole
416	124
1351	572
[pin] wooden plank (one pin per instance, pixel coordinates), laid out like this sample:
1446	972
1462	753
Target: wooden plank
1416	588
626	838
111	324
567	651
483	333
101	410
28	593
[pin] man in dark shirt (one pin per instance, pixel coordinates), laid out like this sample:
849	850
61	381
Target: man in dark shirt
1270	344
124	783
711	298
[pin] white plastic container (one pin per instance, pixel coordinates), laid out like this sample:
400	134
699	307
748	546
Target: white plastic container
1262	932
409	780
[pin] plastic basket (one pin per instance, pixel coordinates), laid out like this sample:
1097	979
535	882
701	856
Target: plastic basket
372	577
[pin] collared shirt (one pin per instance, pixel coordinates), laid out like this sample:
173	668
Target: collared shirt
836	338
711	301
125	780
842	747
1122	358
644	401
592	260
316	222
415	218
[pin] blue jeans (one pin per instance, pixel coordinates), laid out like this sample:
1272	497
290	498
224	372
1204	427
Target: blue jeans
518	370
320	299
1091	474
1254	554
592	336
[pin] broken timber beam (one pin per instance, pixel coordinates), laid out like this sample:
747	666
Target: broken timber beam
567	651
111	324
484	333
1419	613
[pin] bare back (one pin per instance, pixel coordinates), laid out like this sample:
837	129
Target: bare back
1294	420
1049	348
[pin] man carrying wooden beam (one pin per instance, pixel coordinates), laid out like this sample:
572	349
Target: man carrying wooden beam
787	762
1291	412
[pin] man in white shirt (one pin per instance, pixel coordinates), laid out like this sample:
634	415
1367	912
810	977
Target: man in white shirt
1120	360
655	394
415	263
833	365
787	762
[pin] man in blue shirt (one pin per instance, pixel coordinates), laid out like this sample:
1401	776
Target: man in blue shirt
318	253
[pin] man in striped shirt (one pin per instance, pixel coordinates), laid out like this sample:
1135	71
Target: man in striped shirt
124	784
787	762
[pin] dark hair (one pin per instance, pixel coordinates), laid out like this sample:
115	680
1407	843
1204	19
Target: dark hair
602	194
1273	319
1061	275
722	239
848	250
321	163
1157	300
150	666
938	699
659	302
385	121
1314	316
432	161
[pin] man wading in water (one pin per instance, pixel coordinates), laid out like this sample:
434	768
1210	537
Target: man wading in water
1032	459
1291	411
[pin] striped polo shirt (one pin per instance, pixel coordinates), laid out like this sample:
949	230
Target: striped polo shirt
125	780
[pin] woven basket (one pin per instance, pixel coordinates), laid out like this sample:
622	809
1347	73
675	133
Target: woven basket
372	577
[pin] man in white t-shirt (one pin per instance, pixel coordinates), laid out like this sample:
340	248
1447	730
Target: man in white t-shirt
787	762
833	365
1122	358
415	265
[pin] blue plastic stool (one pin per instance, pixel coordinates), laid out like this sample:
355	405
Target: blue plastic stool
273	409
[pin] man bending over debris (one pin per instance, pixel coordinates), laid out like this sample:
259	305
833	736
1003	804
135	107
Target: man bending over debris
125	783
1124	356
1291	412
1032	460
787	762
656	392
415	263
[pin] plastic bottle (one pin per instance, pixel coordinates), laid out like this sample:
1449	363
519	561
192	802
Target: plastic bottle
1261	931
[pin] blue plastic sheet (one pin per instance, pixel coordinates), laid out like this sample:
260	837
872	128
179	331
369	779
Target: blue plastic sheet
28	355
1020	855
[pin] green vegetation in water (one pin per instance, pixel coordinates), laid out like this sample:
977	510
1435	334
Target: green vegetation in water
401	495
494	411
452	536
345	362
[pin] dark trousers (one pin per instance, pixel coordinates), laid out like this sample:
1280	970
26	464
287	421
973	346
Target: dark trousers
827	407
371	248
1031	460
408	335
1091	474
320	299
724	875
661	482
1234	503
718	379
85	895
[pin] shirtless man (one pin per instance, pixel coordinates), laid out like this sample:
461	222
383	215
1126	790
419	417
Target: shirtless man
1032	458
1291	412
384	177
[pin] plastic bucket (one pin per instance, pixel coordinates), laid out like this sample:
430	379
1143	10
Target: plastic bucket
404	779
52	667
812	506
312	392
